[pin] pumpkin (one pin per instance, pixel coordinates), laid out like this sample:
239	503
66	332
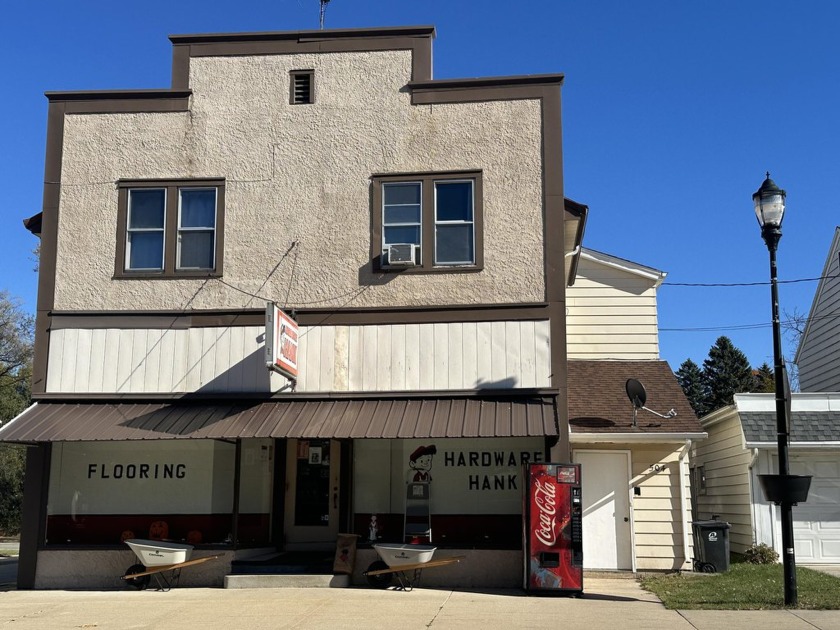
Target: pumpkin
159	530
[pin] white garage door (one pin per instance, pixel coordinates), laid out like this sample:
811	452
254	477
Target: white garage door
816	523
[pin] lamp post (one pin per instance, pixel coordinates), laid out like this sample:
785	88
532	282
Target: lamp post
769	202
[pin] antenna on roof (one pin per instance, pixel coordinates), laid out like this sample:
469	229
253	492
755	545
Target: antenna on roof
638	396
324	4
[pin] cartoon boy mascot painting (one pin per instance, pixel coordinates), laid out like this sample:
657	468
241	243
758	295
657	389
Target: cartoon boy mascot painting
420	461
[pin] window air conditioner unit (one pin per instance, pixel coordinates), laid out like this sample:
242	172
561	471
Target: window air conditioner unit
401	255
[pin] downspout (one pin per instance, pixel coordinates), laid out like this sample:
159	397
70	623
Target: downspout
753	458
683	511
753	505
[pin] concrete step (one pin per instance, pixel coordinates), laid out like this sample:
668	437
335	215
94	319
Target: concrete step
307	580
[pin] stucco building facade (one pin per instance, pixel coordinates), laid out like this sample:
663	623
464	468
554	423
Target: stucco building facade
282	168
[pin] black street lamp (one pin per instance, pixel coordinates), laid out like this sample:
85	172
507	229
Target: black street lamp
769	201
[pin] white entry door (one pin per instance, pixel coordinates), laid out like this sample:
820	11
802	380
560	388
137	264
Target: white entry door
607	526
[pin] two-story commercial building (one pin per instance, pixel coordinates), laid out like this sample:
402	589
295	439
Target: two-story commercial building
416	231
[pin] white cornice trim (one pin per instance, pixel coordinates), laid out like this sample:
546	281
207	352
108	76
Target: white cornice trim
637	438
719	415
795	445
628	266
800	401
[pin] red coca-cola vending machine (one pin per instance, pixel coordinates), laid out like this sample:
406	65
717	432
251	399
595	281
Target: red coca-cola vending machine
553	528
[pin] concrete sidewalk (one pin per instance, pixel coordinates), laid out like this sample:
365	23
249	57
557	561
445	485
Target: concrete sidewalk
606	603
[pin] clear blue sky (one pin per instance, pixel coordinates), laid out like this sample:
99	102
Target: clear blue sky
672	112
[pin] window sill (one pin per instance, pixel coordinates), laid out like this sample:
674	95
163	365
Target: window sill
165	275
428	270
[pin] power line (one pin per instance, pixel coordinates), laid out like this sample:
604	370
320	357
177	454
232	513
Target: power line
717	328
788	322
745	284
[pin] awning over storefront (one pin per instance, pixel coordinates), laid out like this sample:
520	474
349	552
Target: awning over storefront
400	417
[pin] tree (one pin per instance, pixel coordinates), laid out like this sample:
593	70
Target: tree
725	373
15	338
765	379
15	370
793	325
690	378
12	465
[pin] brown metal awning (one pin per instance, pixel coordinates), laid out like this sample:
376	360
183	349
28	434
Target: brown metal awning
408	417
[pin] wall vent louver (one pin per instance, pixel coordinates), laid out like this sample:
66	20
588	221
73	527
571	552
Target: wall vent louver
302	87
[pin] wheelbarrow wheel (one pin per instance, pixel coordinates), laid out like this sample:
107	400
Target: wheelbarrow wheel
139	582
382	580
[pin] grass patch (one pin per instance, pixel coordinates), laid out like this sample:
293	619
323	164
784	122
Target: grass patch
744	587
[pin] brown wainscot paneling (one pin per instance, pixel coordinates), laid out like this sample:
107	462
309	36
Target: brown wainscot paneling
111	529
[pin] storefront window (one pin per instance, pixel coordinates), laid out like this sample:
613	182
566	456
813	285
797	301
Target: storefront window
103	493
474	489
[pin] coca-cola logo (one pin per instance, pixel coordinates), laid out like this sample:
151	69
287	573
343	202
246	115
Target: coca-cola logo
546	502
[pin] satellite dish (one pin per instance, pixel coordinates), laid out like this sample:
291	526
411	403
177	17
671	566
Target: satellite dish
638	396
636	393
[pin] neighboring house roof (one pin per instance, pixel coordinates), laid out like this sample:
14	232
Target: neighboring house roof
598	402
574	224
33	223
805	426
815	418
628	266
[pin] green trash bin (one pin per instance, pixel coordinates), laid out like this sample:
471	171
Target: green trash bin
711	546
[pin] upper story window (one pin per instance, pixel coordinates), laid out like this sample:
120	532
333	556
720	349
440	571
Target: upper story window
170	228
428	222
302	87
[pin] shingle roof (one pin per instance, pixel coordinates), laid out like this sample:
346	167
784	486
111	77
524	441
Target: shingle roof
805	426
598	400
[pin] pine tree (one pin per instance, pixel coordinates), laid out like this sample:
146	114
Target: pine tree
725	373
765	379
690	378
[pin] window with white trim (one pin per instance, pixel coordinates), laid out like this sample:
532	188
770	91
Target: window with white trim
401	215
145	241
196	228
454	224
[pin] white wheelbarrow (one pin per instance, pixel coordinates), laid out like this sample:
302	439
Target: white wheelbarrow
404	561
158	557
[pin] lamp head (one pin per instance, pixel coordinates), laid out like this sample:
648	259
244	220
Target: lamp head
769	202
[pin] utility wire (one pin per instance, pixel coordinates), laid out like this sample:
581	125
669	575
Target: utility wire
829	316
745	284
718	328
291	277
